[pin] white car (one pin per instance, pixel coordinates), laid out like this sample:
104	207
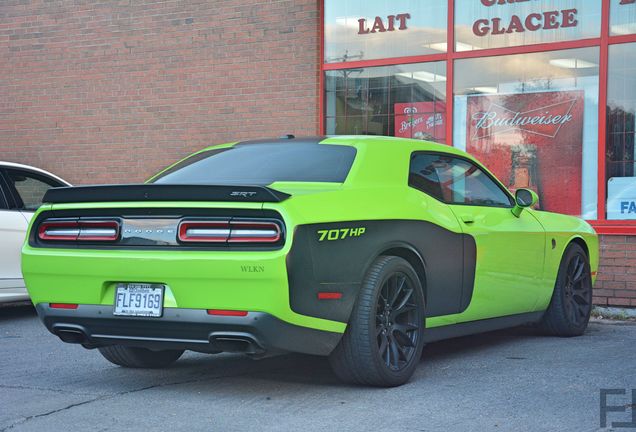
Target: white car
21	190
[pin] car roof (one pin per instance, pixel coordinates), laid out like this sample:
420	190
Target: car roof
376	142
4	164
390	143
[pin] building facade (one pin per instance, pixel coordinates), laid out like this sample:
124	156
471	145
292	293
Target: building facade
542	91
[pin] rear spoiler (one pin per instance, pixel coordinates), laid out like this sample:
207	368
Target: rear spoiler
162	192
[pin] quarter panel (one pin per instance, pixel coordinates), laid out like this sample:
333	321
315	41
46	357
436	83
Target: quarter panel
561	230
339	263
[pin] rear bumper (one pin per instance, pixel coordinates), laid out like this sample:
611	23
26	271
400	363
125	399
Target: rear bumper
192	329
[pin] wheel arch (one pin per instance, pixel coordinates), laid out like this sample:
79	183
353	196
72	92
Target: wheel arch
581	242
412	256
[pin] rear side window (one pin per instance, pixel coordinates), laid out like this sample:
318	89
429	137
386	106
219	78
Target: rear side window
263	164
29	188
455	181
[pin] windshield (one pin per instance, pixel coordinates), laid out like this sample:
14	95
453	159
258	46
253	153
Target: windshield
263	164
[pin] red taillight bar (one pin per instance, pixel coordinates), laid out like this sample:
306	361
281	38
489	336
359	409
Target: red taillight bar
223	312
63	305
204	231
228	232
329	296
79	230
68	230
254	232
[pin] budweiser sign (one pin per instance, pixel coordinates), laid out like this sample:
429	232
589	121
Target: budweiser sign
531	140
545	120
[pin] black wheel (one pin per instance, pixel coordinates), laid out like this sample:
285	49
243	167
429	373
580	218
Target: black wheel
383	342
571	304
139	357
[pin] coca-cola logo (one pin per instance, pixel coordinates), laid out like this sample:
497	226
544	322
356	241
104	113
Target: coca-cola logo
546	121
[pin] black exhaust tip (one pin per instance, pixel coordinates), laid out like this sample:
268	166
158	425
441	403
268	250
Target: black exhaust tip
236	343
71	335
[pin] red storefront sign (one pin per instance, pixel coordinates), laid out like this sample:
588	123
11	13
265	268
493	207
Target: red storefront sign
544	20
393	23
532	140
421	120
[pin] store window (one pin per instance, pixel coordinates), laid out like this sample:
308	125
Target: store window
483	24
532	119
622	17
373	29
620	164
404	100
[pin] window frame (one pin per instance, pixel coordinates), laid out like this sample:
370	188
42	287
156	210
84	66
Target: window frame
4	189
472	162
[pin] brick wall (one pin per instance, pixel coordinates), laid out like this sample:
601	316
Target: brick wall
616	283
111	91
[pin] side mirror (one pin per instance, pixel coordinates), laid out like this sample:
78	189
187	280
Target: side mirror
524	198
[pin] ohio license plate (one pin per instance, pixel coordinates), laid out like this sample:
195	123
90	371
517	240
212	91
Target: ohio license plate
139	299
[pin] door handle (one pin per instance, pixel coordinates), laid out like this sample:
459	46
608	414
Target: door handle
467	219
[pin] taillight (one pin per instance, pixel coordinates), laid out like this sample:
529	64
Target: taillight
79	230
254	232
204	231
198	231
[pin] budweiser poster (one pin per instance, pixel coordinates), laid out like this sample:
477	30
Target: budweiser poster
421	120
532	140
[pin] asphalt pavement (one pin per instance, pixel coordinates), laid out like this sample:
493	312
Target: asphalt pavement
513	380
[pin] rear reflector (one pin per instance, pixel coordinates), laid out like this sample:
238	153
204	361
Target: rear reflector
63	305
222	312
198	231
79	230
329	296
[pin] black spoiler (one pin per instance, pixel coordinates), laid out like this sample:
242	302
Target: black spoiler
162	192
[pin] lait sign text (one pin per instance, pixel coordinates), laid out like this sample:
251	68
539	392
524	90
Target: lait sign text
392	23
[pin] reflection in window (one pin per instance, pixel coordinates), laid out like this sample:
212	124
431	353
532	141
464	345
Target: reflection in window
455	181
405	100
488	24
621	120
532	120
622	18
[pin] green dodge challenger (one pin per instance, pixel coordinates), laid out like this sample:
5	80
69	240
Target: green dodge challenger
358	248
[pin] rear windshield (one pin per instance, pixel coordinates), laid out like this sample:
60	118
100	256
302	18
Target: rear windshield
263	164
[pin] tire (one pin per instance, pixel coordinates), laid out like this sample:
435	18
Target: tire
571	304
139	357
382	346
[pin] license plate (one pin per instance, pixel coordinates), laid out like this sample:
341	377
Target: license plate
139	299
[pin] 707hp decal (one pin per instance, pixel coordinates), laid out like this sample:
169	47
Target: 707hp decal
340	234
